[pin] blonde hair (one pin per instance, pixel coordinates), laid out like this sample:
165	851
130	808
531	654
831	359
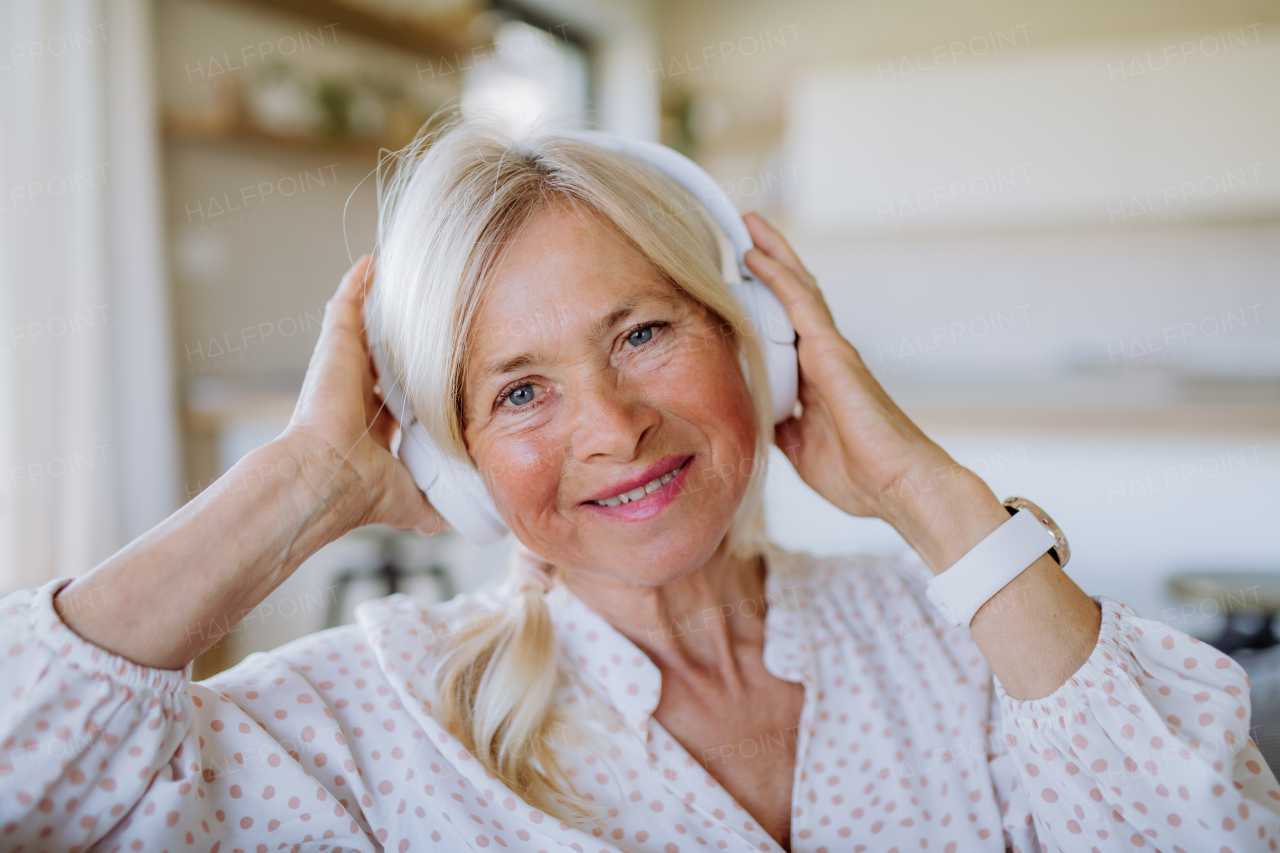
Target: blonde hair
449	207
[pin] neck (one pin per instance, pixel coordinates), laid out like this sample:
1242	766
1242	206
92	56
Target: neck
696	620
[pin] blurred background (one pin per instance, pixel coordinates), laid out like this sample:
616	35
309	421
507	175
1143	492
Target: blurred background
1052	230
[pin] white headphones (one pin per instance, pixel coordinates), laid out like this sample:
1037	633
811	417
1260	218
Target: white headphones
457	491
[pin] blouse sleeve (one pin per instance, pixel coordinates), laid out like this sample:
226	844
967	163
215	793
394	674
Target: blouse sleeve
97	749
1147	744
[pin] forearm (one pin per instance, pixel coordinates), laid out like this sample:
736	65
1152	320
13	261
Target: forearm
174	591
1036	631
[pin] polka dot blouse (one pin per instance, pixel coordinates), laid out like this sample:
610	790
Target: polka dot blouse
905	742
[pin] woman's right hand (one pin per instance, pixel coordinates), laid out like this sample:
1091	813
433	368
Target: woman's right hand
177	589
339	419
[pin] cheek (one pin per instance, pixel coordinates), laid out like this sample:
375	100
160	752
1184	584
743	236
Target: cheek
709	394
523	474
714	395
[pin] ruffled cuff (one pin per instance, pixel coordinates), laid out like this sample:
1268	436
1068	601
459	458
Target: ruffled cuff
1147	740
1171	670
47	628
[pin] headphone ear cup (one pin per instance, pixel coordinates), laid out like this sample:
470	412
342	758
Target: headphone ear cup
769	321
456	491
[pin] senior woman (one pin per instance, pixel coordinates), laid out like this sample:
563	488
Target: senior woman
658	677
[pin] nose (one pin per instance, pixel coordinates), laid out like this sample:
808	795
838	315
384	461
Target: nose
612	422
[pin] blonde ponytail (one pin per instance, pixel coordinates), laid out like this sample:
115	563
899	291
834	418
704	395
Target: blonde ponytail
497	690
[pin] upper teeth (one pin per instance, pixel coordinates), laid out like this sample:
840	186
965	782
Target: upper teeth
640	491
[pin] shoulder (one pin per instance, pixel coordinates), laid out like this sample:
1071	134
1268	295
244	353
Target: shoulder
878	603
851	573
859	589
395	628
427	627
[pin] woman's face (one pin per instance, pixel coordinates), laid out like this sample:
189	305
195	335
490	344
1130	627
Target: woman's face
589	376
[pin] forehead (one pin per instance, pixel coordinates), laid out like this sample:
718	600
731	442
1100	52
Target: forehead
565	273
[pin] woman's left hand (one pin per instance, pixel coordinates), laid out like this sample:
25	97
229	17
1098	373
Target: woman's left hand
852	443
858	450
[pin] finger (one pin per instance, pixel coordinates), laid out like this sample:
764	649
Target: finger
787	435
382	429
356	280
804	306
432	523
770	240
347	305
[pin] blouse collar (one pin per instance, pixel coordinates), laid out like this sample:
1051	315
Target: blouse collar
605	659
614	665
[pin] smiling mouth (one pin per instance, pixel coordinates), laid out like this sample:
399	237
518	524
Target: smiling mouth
641	492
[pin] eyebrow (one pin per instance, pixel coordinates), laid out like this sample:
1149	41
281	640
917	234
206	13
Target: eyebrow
601	328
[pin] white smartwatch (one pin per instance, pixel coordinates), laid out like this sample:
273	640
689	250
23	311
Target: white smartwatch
1010	549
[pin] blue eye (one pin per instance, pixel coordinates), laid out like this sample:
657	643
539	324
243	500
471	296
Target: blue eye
522	395
640	336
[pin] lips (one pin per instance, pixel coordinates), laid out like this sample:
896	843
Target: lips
653	472
653	504
641	491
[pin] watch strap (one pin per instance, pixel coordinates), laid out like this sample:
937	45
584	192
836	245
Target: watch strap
988	567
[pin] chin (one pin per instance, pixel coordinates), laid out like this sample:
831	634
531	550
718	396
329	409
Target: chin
662	556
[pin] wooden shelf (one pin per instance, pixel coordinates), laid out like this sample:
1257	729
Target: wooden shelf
1165	421
205	130
455	33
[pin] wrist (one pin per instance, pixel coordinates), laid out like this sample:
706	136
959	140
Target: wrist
942	510
314	478
177	589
